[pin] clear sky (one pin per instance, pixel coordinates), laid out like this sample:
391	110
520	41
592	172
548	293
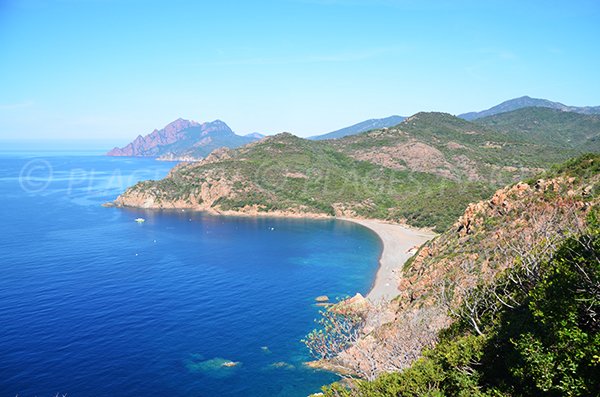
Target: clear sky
113	69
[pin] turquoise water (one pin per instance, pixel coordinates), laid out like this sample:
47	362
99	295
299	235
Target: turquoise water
93	303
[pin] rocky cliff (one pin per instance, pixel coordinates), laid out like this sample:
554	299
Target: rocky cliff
149	145
183	140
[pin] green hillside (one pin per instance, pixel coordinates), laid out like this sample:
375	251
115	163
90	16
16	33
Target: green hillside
423	171
290	174
449	146
504	303
553	127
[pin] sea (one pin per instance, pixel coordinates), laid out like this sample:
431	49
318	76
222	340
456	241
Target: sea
93	303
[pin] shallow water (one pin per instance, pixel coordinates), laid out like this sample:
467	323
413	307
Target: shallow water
93	303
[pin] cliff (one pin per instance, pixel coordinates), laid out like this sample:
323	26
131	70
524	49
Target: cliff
150	144
183	140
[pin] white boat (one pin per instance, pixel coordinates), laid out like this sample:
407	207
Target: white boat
140	220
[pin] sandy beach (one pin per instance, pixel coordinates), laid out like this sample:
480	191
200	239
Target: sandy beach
397	241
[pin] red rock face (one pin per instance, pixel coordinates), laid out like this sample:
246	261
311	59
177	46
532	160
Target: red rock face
149	145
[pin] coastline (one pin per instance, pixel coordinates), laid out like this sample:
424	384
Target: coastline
397	240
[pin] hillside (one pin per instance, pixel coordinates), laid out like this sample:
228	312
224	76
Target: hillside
445	145
366	125
512	285
422	172
284	174
555	127
524	102
183	139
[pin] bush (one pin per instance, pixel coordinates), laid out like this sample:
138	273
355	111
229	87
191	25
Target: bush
547	345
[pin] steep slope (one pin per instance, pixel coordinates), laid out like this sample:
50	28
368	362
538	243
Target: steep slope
455	276
284	174
453	148
525	101
367	125
490	233
183	139
150	144
556	127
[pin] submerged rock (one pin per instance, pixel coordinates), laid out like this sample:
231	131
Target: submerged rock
282	365
215	367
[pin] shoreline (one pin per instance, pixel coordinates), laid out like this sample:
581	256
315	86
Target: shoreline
397	240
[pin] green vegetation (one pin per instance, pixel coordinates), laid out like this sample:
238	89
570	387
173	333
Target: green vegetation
289	173
469	150
556	128
542	339
424	171
521	288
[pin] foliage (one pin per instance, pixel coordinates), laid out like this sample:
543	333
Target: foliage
543	340
337	331
285	173
365	175
558	128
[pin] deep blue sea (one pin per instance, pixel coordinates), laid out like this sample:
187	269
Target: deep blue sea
94	304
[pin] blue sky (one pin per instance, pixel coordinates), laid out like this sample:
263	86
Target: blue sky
113	69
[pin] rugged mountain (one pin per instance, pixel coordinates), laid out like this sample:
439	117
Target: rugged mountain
525	101
423	172
361	127
183	139
150	144
284	174
480	275
555	127
454	148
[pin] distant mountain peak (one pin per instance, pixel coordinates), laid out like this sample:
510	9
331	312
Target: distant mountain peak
256	135
183	138
363	126
527	101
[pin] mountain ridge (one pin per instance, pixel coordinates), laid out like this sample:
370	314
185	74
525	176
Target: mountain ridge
185	139
557	127
526	101
358	128
423	172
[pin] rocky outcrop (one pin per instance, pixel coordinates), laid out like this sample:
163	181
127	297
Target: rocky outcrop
183	140
148	146
485	239
416	156
202	199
